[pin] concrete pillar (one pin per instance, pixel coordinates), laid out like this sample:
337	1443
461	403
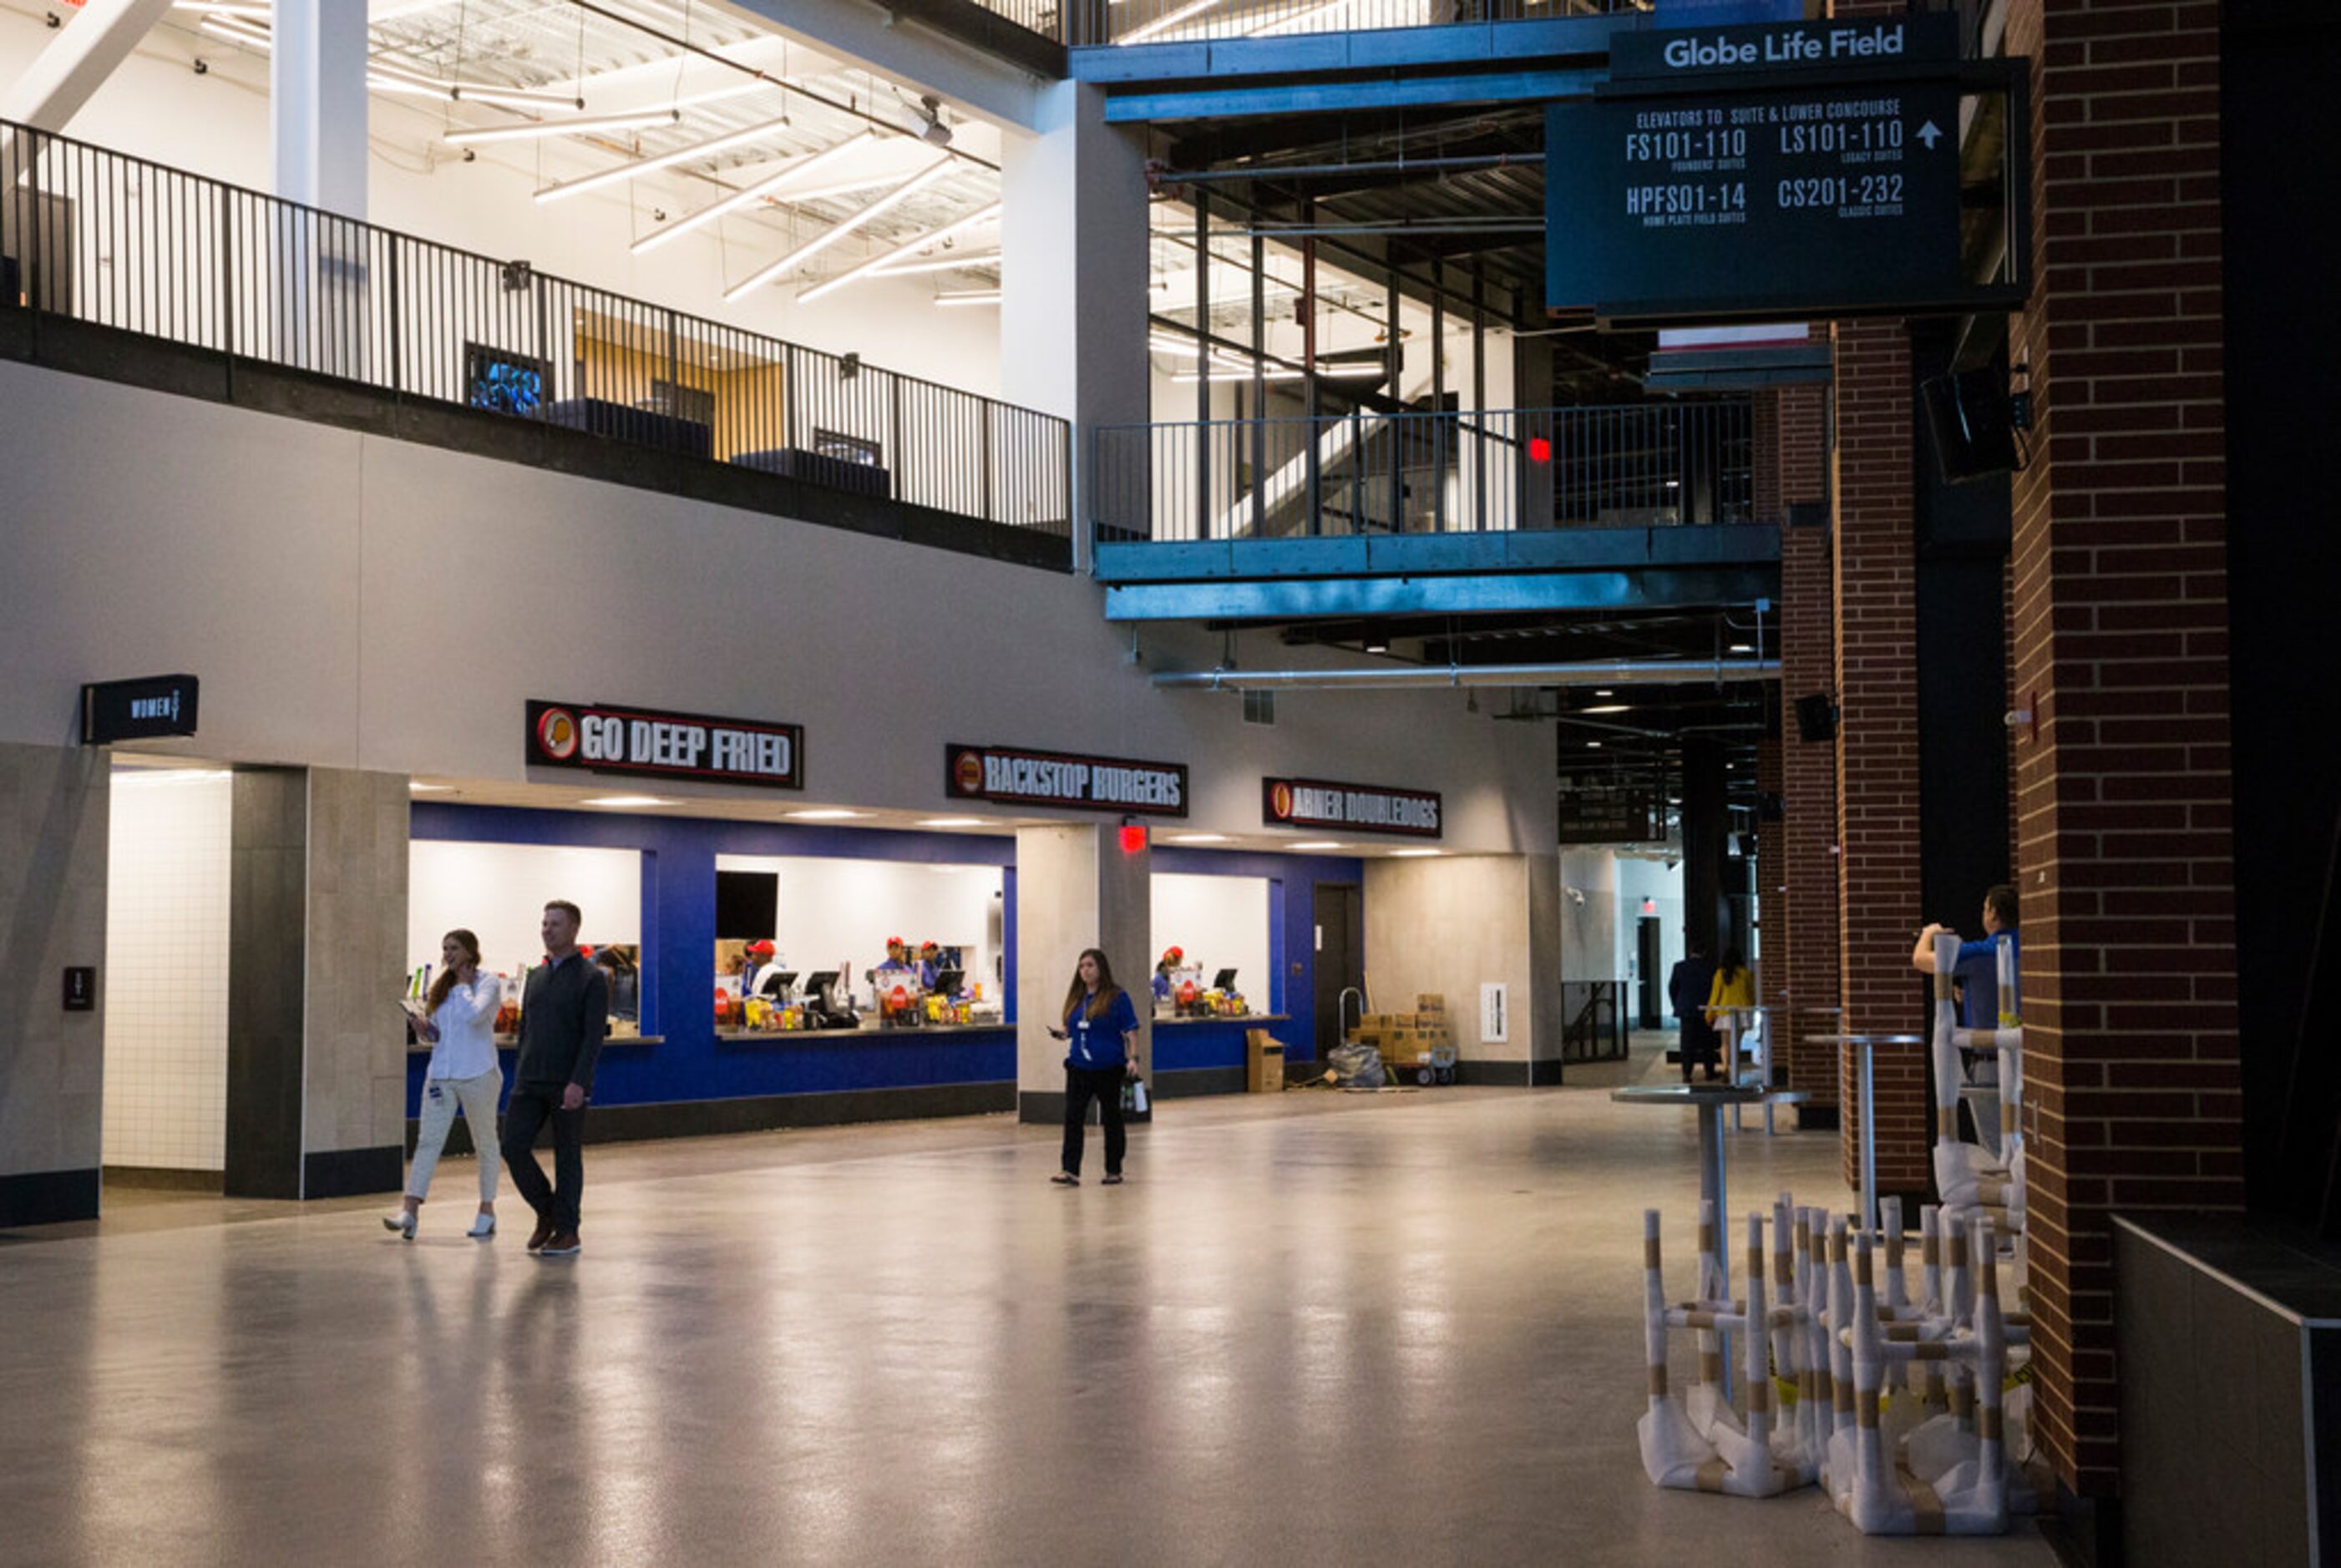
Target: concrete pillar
1878	749
2132	1057
316	1053
1074	251
318	103
1076	888
53	857
1455	924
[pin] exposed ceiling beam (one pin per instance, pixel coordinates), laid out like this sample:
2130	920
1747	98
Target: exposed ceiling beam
63	77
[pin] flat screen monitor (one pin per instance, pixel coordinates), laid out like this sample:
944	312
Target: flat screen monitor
1225	980
776	982
819	986
949	981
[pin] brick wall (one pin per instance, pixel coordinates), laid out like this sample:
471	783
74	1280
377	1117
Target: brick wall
1807	941
1771	896
1877	744
2120	527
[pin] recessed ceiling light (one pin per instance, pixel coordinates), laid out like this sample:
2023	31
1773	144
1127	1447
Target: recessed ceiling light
1593	746
826	814
1602	691
1198	838
625	800
1414	854
952	822
417	786
1313	845
1743	647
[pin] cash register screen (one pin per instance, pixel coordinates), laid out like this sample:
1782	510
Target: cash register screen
948	981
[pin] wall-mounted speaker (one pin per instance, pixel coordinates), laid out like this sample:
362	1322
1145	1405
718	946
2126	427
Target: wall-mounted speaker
1815	717
1972	423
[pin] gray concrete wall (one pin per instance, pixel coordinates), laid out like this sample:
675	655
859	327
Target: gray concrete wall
1076	888
53	848
1454	923
354	1094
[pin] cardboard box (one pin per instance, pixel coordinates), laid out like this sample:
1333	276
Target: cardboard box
1264	1062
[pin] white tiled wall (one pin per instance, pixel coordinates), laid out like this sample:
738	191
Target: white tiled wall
166	979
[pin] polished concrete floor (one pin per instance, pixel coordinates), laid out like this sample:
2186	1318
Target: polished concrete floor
1311	1328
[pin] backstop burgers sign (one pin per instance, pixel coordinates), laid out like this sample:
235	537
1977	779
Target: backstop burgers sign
660	745
1358	807
1014	777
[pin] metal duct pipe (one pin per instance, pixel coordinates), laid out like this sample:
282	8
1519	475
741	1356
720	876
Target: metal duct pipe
1645	672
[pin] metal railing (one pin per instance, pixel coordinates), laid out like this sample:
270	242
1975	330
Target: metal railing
1090	22
1362	473
100	237
1593	1013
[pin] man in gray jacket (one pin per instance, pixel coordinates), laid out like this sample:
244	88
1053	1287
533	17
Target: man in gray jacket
565	1013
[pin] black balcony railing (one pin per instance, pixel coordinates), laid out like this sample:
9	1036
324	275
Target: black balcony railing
119	241
1636	465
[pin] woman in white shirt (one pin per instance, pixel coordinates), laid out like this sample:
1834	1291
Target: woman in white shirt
462	1071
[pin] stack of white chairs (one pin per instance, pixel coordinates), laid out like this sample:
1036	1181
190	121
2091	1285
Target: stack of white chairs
1893	1403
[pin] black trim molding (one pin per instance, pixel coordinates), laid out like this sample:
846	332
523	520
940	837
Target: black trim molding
1188	1083
351	1173
1542	1072
48	1197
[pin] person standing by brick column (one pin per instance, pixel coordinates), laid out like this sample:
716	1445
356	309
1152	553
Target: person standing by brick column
565	1013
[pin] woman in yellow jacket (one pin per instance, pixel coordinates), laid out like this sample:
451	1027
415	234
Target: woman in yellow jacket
1733	987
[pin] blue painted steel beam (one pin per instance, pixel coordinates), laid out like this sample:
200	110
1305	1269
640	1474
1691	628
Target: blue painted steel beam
1315	598
1330	97
1380	49
1726	545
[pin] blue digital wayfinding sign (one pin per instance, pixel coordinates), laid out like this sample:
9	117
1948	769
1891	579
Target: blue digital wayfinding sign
1737	172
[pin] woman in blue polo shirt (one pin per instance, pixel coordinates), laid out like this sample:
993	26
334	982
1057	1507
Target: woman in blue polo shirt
1101	1028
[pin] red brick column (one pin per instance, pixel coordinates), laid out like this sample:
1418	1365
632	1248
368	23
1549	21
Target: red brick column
1808	835
1878	744
1771	896
2130	1050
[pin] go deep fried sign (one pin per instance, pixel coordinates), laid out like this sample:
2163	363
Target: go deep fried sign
1015	776
661	745
1361	808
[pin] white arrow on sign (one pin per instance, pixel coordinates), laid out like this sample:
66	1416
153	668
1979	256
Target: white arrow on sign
1930	133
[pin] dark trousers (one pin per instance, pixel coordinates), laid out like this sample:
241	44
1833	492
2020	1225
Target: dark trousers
529	1109
1103	1085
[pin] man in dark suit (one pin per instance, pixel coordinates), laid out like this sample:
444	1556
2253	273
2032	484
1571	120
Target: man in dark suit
565	1013
1687	989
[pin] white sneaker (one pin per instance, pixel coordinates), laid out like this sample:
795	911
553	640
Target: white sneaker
402	1221
483	1225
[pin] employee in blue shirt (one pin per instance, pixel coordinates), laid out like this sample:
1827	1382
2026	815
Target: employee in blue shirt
1101	1028
1977	969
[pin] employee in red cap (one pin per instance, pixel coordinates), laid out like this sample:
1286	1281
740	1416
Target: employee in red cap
1171	958
897	967
763	964
930	965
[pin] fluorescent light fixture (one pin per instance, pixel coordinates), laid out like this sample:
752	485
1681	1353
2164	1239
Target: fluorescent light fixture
1607	708
537	129
952	822
417	786
133	775
970	297
1593	746
622	802
1602	691
1314	844
1325	372
847	187
907	248
511	97
844	226
1165	23
939	265
628	170
748	197
1198	838
1743	647
235	31
826	814
1414	854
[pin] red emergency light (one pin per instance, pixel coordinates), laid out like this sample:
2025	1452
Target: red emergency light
1539	449
1133	838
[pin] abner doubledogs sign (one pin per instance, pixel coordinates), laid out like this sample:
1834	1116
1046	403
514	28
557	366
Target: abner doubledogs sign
658	745
1361	808
1014	777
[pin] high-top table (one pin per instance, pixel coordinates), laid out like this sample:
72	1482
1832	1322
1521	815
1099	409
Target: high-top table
1710	1100
1868	1044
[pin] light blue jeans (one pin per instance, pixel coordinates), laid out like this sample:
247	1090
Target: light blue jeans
439	1099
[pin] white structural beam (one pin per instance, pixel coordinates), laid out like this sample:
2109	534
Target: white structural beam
858	33
63	77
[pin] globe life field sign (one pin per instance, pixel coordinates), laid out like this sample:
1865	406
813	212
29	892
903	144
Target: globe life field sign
1799	170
